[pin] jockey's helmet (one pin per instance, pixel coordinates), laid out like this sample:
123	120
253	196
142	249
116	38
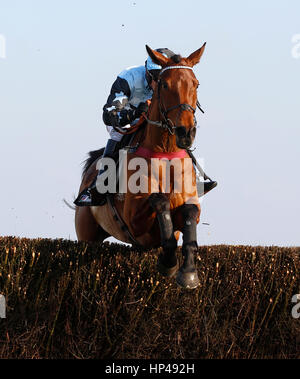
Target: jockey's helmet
152	68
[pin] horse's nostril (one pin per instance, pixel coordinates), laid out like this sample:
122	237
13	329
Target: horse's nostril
181	132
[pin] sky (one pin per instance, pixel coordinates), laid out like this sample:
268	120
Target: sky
58	60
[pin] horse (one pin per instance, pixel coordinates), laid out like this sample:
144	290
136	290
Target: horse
155	219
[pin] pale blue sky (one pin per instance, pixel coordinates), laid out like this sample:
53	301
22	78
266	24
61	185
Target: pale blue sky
63	56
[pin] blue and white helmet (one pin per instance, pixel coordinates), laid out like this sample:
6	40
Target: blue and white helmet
150	65
154	68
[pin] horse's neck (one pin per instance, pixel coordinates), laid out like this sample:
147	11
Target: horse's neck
156	138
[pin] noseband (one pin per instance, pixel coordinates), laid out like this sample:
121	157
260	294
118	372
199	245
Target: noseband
167	123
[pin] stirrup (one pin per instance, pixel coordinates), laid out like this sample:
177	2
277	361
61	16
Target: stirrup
204	187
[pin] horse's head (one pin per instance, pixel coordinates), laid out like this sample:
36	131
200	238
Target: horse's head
176	93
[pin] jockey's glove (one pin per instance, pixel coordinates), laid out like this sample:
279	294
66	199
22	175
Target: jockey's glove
126	116
113	118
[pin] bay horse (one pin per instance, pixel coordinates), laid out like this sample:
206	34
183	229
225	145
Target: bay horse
155	219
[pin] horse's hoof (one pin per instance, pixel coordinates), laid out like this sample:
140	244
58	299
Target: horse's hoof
188	280
168	272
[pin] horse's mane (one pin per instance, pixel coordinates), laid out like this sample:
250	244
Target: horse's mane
93	155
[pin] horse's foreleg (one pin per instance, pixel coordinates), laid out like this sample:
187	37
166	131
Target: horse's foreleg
187	276
167	261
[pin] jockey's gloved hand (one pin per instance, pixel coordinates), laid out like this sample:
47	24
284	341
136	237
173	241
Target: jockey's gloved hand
114	119
142	108
126	116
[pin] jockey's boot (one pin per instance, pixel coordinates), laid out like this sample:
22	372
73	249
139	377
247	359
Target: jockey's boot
91	196
208	186
204	187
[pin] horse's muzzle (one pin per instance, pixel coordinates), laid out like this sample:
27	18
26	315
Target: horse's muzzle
185	137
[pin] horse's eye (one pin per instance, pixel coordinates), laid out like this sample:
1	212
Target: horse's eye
164	85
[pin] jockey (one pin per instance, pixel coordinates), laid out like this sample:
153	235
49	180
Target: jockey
128	96
125	104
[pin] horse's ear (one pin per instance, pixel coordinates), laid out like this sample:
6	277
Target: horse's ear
157	57
195	57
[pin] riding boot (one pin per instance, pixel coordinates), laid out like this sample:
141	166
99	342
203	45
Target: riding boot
91	196
204	187
208	186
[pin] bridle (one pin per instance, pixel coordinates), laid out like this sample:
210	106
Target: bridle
167	123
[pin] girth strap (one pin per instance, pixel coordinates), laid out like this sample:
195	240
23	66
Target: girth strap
120	221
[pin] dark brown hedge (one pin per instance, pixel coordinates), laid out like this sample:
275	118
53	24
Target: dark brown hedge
77	300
